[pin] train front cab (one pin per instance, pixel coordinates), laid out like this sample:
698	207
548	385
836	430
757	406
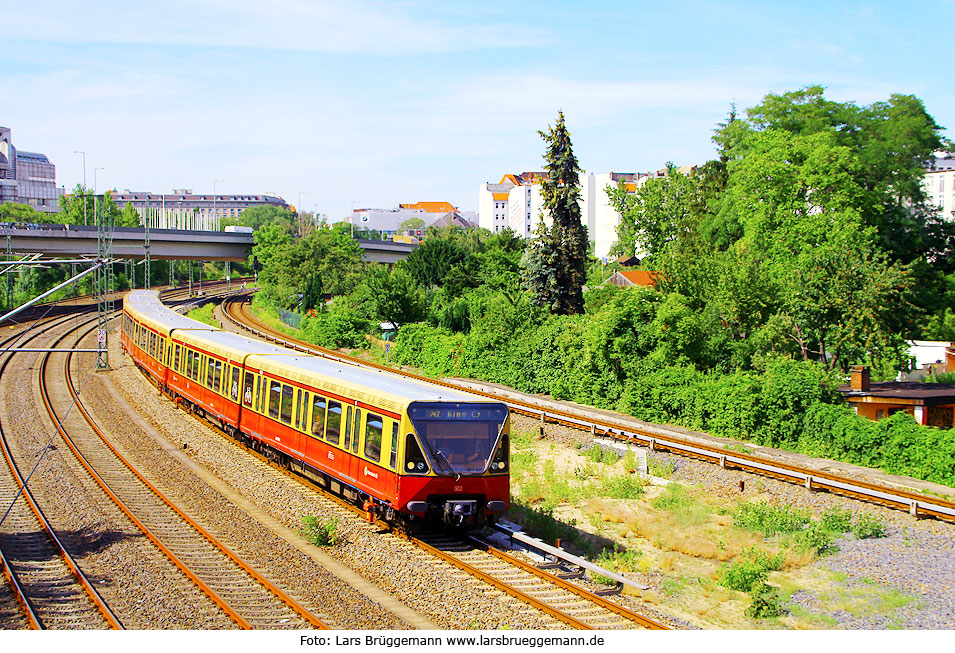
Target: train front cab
456	466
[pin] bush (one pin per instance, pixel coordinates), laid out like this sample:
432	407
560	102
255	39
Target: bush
674	497
868	526
337	327
320	533
770	518
813	538
751	570
622	486
838	520
765	602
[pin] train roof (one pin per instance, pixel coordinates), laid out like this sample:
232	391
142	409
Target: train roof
371	386
144	305
229	345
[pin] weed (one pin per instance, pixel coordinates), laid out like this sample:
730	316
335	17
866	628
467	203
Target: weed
673	586
622	486
673	498
618	561
660	469
814	538
770	518
738	448
630	461
867	526
765	602
751	570
318	532
598	454
541	523
837	520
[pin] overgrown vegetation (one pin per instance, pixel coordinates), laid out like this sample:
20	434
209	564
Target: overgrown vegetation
204	314
804	248
320	532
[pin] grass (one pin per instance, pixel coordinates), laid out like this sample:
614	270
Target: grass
771	518
320	532
660	468
596	453
204	314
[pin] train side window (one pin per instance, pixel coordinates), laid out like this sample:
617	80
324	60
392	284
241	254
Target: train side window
334	423
195	366
176	360
374	425
303	410
189	357
348	427
414	459
247	389
287	402
234	387
318	416
356	425
260	386
275	399
393	460
210	371
218	382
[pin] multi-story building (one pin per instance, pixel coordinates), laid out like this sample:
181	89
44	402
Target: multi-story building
389	221
939	185
27	177
183	209
516	202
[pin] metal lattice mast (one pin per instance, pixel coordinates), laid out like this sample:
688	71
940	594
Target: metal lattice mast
104	304
146	248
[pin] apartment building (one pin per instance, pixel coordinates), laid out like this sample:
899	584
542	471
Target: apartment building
27	177
939	184
183	209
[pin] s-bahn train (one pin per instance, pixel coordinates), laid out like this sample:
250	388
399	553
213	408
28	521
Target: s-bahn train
406	450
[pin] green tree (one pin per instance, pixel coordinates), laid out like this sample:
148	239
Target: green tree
434	259
128	217
24	213
555	270
660	210
396	296
411	224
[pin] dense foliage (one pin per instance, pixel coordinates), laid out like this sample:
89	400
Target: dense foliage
781	265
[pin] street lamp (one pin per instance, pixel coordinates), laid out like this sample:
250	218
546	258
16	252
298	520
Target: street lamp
84	182
215	216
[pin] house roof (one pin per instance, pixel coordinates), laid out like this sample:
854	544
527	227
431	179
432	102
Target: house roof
927	394
430	207
640	277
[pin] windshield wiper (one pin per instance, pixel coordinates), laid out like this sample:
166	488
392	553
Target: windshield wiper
447	463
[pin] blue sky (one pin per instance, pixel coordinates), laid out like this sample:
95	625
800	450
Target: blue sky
373	103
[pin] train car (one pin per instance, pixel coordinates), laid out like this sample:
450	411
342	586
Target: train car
206	371
403	448
147	329
412	448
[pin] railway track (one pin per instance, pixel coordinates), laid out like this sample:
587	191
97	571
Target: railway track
47	584
241	592
568	603
915	503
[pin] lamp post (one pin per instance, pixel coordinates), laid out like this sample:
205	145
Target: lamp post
84	182
94	178
215	217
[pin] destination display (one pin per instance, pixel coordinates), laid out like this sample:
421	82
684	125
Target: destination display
458	412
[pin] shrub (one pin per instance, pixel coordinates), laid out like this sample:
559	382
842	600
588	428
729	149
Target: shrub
867	526
320	533
622	486
838	520
673	497
765	602
770	518
813	538
750	569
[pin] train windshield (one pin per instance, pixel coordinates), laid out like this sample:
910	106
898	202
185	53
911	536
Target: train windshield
459	438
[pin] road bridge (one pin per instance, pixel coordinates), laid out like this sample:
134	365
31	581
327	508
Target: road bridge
164	244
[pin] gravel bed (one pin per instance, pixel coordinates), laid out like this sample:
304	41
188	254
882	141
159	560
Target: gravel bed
430	587
130	573
916	558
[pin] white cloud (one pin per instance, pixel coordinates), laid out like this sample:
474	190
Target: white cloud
356	26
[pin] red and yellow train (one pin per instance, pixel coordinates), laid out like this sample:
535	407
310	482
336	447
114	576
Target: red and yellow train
404	449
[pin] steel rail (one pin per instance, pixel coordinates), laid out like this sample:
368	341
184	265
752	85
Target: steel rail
916	504
501	585
570	587
32	617
223	548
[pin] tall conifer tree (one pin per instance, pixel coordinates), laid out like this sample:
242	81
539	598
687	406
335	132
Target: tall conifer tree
555	264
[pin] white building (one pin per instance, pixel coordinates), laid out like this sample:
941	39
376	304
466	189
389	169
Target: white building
939	185
516	202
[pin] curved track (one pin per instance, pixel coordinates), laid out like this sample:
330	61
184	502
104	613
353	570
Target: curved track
915	503
49	586
241	592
